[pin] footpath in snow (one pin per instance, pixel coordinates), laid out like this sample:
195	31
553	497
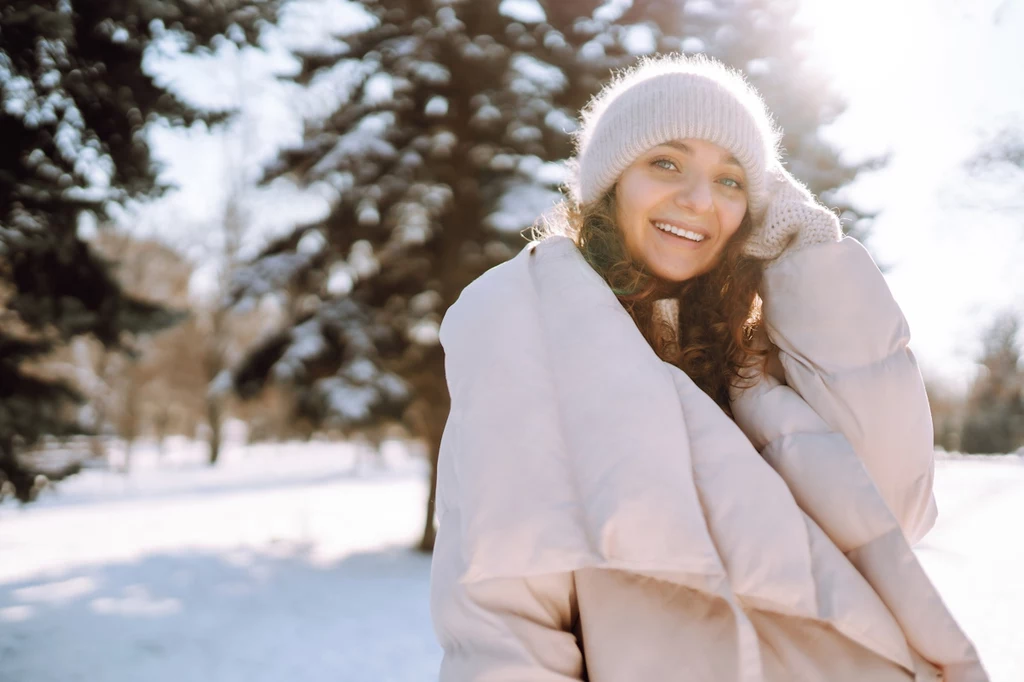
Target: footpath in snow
293	561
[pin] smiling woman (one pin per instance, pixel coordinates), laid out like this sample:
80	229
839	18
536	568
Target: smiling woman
670	177
705	495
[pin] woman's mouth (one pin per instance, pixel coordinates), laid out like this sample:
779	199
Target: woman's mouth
684	235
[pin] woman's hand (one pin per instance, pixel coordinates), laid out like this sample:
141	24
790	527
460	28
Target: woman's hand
793	219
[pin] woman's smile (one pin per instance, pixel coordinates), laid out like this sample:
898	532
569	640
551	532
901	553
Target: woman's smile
681	236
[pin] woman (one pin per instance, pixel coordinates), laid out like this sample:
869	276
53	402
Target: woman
688	440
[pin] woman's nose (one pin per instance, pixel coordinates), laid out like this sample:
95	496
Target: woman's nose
694	194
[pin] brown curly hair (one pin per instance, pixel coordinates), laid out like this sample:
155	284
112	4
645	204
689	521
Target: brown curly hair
719	311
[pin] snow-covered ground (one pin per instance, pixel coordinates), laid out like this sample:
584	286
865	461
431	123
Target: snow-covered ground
292	561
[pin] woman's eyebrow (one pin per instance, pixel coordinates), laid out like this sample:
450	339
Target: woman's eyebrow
685	148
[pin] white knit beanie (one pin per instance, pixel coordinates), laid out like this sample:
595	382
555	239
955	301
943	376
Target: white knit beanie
671	97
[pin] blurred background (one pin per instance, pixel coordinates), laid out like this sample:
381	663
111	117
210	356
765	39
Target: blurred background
229	230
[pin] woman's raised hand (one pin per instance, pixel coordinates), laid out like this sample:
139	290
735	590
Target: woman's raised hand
792	220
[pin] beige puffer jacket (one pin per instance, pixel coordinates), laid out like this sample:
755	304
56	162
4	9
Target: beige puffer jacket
601	518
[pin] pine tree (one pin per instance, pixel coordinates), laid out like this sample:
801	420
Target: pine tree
446	144
73	100
994	420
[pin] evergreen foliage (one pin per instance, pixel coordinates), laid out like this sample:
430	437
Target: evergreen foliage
73	102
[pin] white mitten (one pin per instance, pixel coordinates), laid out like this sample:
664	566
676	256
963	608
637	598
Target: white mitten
792	220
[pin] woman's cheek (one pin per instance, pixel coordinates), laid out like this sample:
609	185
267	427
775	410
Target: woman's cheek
737	211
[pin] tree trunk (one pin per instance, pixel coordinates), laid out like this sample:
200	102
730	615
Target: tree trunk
130	413
160	424
128	442
213	416
14	472
429	532
213	363
427	416
97	447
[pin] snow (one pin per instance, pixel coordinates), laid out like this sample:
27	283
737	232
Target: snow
51	107
363	259
361	142
425	302
392	386
558	119
486	115
293	561
311	243
349	401
525	11
699	8
287	561
361	370
379	89
520	206
443	143
267	275
639	39
330	87
274	209
86	226
975	555
612	10
692	44
592	51
436	106
523	134
432	73
503	162
544	172
316	26
340	279
533	76
223	79
425	332
306	345
368	214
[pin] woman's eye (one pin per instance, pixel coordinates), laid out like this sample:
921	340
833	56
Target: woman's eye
736	183
665	163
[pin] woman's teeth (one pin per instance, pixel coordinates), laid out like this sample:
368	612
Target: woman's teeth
692	236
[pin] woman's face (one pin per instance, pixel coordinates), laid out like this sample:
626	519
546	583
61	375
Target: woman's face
679	204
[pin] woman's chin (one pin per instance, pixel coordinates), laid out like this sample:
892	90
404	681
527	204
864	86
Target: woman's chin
673	269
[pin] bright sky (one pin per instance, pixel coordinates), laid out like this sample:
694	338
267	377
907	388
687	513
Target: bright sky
929	79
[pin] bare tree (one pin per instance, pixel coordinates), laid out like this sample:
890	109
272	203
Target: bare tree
124	391
996	173
947	407
994	420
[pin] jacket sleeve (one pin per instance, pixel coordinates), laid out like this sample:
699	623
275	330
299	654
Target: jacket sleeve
843	345
496	622
515	628
508	629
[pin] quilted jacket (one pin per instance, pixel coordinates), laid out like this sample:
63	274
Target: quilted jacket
601	518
